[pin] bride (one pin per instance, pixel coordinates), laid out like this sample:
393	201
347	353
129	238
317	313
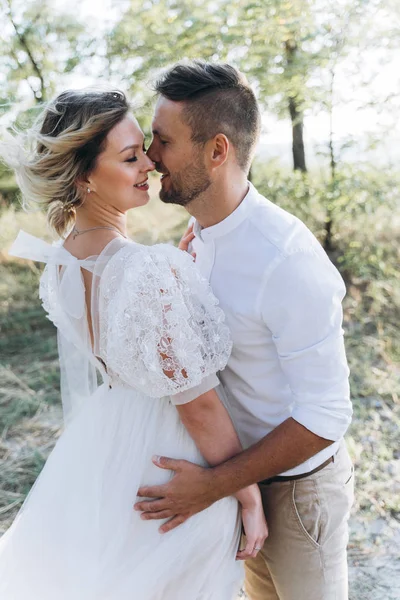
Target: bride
140	337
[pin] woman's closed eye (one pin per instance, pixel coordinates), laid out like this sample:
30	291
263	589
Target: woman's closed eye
135	158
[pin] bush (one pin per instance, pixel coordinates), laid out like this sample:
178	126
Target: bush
9	193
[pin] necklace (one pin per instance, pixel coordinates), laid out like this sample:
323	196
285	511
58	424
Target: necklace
76	232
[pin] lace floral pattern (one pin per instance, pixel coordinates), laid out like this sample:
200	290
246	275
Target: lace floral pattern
161	329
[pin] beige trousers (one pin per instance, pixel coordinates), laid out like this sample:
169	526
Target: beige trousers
304	556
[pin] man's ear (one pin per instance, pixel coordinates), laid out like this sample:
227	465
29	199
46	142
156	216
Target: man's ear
218	150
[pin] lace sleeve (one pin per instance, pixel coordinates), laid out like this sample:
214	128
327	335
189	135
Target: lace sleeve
161	329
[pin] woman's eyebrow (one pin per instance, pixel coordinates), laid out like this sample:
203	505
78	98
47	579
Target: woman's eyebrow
135	146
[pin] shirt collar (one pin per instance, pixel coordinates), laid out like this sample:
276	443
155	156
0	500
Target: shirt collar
231	222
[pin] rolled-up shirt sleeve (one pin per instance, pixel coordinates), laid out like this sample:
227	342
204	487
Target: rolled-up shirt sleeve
301	305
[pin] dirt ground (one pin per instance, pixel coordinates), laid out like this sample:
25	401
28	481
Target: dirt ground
374	563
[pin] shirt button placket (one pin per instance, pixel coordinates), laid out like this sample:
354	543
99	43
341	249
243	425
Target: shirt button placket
205	257
210	258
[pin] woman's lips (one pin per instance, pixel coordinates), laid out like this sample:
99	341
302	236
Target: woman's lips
144	186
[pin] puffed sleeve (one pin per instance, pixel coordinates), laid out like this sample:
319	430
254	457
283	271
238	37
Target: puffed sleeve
161	329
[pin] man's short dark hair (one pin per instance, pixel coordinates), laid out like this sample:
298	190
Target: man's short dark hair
218	99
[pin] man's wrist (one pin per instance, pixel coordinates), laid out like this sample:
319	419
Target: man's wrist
222	482
215	489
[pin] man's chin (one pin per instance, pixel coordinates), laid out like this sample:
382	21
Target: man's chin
169	198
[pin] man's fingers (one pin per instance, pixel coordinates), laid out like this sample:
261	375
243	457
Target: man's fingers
172	524
161	514
155	491
160	491
170	464
152	505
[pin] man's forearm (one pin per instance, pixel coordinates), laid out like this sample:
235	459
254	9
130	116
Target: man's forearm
286	447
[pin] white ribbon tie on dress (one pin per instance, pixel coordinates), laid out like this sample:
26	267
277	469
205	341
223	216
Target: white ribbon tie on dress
72	288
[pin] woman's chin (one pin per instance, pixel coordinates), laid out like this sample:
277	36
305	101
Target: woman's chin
141	199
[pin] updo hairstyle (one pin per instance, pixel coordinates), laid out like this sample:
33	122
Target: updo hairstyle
61	149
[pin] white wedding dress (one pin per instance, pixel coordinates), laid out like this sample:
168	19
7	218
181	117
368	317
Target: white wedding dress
77	536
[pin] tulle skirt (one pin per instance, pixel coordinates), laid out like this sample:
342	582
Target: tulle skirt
77	536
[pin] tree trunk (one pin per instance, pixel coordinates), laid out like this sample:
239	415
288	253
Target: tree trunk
329	245
299	157
40	94
296	114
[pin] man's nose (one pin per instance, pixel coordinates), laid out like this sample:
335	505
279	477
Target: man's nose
152	154
150	165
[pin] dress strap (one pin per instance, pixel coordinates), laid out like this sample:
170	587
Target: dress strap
30	247
72	288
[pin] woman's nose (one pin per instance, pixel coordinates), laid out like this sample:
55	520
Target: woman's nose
150	165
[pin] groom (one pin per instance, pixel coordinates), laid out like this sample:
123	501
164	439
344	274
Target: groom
286	382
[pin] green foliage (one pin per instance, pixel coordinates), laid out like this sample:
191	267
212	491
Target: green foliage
39	44
358	193
289	50
9	192
281	46
295	192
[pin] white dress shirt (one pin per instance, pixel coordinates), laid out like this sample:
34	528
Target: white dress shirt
282	299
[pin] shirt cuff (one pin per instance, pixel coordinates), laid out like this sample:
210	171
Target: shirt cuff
328	425
208	383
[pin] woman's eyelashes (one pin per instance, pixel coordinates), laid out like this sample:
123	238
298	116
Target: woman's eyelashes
135	158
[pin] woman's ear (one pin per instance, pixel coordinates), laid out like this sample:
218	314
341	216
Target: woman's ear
84	186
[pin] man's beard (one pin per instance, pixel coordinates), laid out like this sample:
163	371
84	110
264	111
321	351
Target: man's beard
185	188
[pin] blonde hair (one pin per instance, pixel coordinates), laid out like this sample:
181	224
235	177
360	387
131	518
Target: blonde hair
61	149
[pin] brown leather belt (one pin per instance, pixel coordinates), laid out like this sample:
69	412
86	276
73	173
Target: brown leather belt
294	477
